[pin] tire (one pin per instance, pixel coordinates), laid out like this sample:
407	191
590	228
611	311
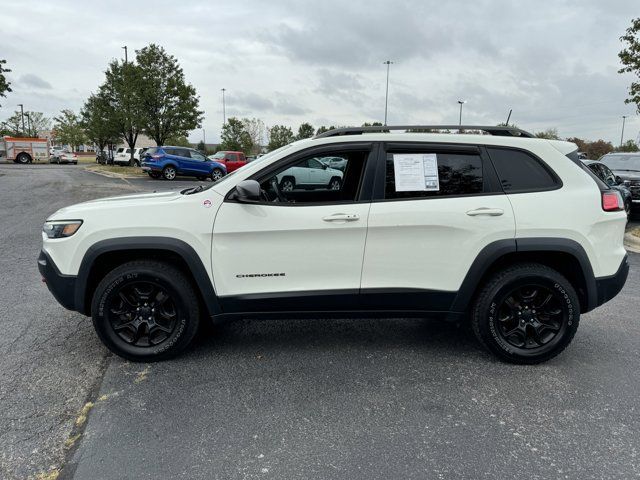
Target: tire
287	184
160	329
155	175
169	173
136	163
335	184
520	326
201	178
23	158
216	174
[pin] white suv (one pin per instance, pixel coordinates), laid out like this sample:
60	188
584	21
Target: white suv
507	230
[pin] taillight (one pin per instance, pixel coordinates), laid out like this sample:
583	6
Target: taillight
612	201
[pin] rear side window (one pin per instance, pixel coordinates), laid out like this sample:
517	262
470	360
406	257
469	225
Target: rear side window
519	171
457	174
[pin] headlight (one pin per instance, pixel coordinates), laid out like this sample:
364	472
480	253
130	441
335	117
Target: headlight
61	228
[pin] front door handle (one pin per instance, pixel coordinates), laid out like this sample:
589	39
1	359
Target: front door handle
492	212
342	217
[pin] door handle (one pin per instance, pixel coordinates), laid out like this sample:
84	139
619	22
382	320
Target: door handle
342	217
492	212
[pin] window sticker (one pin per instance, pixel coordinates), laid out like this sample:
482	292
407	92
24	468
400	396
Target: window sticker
416	172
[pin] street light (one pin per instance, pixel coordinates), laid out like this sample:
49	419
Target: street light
386	96
22	115
224	112
461	102
624	117
125	54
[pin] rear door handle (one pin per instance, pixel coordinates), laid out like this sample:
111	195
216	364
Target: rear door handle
492	212
342	217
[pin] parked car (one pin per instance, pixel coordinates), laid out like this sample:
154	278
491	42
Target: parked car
509	231
627	167
168	162
231	160
607	176
63	156
138	153
123	156
335	162
310	174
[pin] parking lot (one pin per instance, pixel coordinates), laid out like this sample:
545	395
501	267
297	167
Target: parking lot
386	398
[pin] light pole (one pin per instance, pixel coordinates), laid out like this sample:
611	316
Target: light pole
461	102
126	59
22	115
204	139
386	96
224	111
624	117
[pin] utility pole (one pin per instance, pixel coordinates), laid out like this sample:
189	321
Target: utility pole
461	102
624	117
386	96
224	111
126	59
22	115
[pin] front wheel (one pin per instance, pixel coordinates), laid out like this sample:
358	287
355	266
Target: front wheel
335	184
145	311
217	174
526	313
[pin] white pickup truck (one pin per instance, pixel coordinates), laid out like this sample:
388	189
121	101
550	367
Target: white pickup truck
24	150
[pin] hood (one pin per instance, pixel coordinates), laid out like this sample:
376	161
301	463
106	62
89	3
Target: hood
625	175
123	201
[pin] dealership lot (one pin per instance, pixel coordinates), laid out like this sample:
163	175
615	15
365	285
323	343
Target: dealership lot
297	399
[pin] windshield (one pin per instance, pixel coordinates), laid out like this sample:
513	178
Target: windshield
622	162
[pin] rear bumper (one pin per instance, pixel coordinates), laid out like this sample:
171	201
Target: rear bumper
609	287
62	287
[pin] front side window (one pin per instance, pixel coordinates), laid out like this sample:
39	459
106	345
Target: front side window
423	174
309	180
519	171
197	156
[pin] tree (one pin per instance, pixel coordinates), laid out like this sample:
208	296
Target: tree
124	100
630	59
235	136
305	130
68	129
5	85
628	146
13	125
598	148
98	124
582	144
178	141
36	123
279	136
549	134
201	147
168	105
256	130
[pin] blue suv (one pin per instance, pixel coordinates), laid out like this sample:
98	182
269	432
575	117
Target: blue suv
167	162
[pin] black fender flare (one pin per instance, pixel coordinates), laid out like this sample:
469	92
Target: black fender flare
490	254
179	247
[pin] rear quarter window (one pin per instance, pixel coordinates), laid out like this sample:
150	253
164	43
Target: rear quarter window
520	171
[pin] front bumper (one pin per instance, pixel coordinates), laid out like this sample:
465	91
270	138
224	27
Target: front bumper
62	287
609	287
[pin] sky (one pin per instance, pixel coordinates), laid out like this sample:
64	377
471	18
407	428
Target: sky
554	62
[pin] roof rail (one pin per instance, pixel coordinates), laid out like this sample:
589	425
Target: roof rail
491	130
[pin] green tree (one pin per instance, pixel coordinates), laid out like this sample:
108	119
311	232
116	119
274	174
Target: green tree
201	147
630	59
628	146
178	141
124	100
169	105
598	148
549	134
13	125
36	123
279	136
68	129
235	136
5	85
98	124
305	130
256	130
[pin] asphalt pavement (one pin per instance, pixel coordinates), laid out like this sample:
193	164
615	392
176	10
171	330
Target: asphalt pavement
297	399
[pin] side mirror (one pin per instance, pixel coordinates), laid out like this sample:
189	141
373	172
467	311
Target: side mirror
618	180
248	191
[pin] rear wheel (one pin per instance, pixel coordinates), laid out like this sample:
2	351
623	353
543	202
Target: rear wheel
145	311
527	313
23	158
217	174
287	184
169	173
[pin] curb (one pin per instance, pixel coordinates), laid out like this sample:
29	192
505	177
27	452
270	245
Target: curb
631	242
111	174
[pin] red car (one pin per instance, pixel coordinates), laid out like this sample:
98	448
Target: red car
232	160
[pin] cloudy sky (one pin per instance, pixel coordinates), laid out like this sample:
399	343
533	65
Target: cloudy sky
554	62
